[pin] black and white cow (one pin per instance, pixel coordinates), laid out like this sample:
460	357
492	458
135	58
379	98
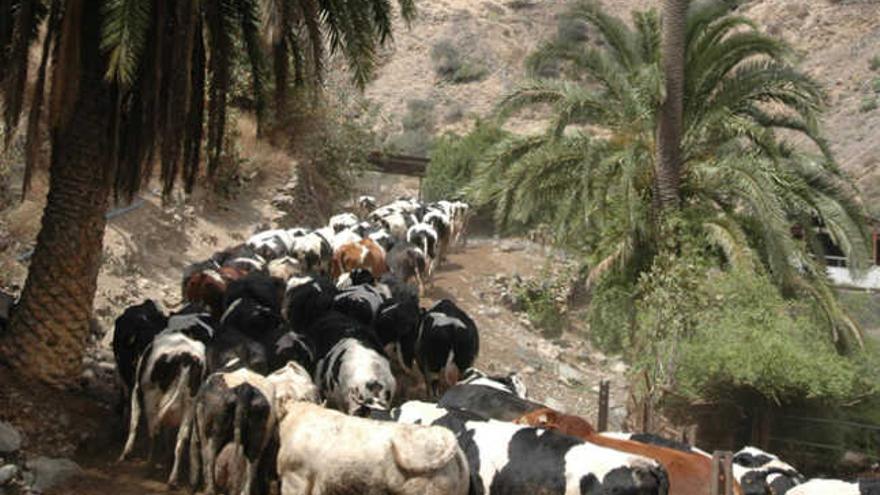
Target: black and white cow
168	377
271	244
313	252
448	344
353	373
442	227
836	487
358	276
424	236
343	221
366	204
509	459
760	472
133	332
231	344
510	383
232	407
241	257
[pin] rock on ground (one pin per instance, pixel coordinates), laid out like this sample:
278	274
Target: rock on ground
10	439
49	473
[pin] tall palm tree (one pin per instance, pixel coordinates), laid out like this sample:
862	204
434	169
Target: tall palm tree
594	174
133	84
669	125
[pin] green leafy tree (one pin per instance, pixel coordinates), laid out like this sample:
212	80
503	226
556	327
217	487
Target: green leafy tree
594	173
134	84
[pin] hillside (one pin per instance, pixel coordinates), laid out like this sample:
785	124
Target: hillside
835	42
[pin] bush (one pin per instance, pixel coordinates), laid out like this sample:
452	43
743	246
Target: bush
451	65
571	30
454	158
875	84
543	299
874	63
869	104
417	137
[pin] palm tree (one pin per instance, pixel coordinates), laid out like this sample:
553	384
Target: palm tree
131	81
669	124
295	32
594	174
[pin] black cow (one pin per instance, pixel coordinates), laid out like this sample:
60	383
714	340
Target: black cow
291	346
361	302
133	331
487	401
308	301
194	321
263	289
448	344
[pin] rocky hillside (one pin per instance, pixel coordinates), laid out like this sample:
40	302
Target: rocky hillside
835	41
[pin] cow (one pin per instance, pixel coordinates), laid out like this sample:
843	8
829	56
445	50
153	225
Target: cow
353	373
652	439
510	383
836	487
342	221
760	472
487	401
361	302
313	252
358	276
689	473
168	377
378	457
443	227
262	289
366	204
292	383
424	236
306	300
271	244
509	459
241	257
395	223
195	322
235	407
361	254
133	332
448	344
292	347
205	285
409	264
383	238
284	268
230	343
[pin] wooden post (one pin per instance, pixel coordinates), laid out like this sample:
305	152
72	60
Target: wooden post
646	415
722	473
604	388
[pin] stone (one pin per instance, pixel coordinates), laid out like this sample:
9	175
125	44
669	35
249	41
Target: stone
8	473
554	404
10	439
49	473
619	368
569	374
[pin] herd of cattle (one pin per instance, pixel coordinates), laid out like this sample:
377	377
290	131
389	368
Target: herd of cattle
303	360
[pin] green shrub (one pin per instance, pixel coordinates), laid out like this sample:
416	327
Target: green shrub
874	63
544	303
418	123
610	316
451	65
571	30
875	84
454	158
869	103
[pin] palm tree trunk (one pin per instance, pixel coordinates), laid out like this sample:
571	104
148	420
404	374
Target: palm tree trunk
48	328
669	133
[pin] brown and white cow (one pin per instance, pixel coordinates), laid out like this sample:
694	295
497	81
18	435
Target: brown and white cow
364	254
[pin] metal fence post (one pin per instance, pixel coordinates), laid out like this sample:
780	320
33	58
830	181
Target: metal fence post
604	388
722	473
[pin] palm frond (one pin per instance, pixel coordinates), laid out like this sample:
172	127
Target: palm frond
125	26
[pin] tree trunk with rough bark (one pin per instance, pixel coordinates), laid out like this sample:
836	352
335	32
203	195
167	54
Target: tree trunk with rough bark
669	132
49	327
